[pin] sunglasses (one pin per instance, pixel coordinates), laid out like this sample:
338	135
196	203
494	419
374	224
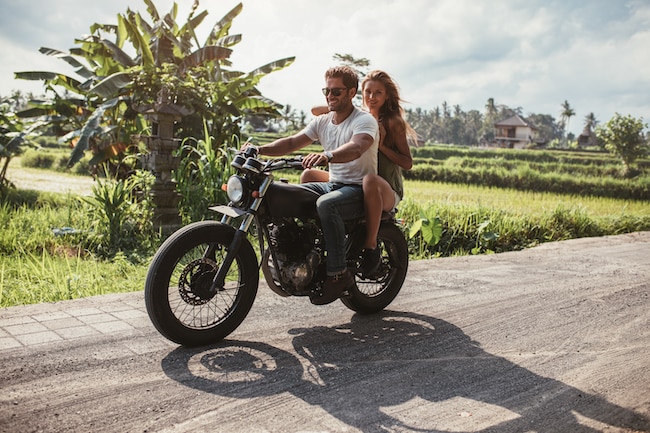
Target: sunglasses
336	91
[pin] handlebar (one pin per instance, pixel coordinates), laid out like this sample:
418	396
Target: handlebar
249	157
280	163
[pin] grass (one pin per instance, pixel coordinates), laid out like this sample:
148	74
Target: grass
521	202
38	266
34	278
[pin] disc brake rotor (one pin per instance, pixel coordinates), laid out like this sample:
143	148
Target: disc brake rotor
195	281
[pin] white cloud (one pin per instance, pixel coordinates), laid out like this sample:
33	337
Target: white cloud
531	54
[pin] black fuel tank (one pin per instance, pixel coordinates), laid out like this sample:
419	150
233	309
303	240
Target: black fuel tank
291	200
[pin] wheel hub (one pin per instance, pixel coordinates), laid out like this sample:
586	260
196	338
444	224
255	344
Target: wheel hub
195	281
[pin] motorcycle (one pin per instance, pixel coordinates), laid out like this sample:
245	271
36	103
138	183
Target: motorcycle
203	280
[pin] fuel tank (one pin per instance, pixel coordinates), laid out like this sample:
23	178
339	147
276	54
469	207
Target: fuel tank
291	200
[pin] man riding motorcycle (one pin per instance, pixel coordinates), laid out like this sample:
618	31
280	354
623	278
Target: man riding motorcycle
349	138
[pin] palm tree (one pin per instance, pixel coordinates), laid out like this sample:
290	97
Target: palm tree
490	108
566	115
588	136
490	118
590	122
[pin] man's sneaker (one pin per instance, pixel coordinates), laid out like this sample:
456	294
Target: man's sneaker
371	261
333	287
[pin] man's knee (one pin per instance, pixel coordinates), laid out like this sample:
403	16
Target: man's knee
326	205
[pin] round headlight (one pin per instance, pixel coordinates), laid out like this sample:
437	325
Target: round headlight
236	189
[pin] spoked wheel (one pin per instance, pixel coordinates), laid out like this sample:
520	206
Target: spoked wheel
375	293
177	290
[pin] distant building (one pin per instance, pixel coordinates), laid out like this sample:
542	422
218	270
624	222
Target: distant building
587	138
514	133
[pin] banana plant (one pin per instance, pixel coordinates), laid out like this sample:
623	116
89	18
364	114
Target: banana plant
116	88
14	135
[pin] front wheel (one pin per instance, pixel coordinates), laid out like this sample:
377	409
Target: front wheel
374	294
177	289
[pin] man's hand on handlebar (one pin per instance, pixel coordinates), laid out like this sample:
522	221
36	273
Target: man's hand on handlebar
249	149
314	160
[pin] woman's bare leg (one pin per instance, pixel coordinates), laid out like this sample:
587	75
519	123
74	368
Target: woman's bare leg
378	196
314	175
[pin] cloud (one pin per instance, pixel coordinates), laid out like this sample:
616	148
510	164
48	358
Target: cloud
532	54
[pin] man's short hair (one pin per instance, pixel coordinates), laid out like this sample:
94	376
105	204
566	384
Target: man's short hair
346	73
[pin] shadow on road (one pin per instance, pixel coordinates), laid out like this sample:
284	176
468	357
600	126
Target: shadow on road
357	370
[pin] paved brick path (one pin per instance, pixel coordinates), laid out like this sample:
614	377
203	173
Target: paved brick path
30	325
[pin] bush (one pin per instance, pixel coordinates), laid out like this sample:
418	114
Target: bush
121	215
53	160
200	174
480	229
38	159
525	177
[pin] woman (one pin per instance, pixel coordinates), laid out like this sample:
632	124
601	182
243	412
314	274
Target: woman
384	190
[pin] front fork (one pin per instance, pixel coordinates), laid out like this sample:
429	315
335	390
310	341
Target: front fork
229	213
233	249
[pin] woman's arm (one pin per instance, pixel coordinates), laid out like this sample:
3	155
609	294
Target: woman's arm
401	154
320	109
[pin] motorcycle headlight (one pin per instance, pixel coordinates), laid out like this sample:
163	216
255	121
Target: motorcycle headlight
236	189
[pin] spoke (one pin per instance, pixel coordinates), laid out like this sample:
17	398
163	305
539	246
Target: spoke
190	300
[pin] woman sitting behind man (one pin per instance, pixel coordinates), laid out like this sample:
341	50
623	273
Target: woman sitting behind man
384	190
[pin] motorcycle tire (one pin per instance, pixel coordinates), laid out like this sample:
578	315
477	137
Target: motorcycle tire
177	295
372	295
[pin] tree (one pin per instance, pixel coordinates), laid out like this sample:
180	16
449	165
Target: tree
14	135
590	122
359	65
566	115
588	136
547	127
623	136
489	119
472	124
115	88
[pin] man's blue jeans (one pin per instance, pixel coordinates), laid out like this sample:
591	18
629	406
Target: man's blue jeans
337	203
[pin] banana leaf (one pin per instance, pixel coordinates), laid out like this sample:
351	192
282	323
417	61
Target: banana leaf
229	41
222	28
91	128
132	27
205	54
81	69
112	84
51	78
119	55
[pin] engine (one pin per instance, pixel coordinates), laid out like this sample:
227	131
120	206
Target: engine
296	246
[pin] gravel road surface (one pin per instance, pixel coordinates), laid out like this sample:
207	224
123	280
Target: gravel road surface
551	339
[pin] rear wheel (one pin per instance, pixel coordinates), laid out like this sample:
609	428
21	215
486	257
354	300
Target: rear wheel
374	294
177	290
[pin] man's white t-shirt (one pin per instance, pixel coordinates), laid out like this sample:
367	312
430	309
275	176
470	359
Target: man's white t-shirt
332	136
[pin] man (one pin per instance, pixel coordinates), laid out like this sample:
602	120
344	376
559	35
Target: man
349	138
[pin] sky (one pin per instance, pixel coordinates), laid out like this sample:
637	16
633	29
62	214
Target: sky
532	54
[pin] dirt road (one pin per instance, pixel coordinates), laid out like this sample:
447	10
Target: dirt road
48	180
551	339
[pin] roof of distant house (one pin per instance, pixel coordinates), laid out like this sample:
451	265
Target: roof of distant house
514	121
